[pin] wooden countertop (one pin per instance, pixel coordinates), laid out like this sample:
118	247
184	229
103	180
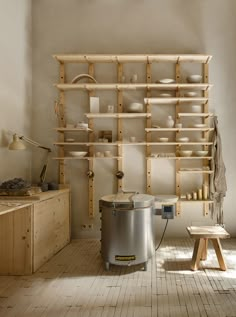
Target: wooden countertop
12	203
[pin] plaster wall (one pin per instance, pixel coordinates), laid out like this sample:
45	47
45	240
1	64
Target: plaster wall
150	26
15	85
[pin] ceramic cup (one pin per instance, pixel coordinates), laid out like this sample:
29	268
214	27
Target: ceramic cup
178	125
98	154
107	153
132	139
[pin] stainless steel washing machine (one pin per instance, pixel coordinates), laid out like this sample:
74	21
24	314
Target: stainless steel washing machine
127	229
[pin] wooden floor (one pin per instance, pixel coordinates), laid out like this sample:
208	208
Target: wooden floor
74	283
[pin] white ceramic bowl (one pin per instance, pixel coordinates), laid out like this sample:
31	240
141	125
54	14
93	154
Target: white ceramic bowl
200	153
135	107
199	125
165	95
166	81
185	153
182	139
70	140
194	79
190	94
163	139
77	153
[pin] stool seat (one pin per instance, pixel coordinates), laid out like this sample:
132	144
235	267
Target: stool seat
201	234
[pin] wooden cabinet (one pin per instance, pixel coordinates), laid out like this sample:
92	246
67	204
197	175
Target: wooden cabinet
31	232
155	94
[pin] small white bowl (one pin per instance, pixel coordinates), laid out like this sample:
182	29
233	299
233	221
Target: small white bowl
163	139
165	95
166	81
178	125
200	153
135	107
199	125
70	140
182	139
194	79
185	153
78	153
190	94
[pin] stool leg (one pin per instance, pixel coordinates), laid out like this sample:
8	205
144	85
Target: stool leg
204	249
197	254
218	249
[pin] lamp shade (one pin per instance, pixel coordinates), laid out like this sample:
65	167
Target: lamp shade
16	144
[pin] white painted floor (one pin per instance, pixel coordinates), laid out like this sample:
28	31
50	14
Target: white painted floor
74	283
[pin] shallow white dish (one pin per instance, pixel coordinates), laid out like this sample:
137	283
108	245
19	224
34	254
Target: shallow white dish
165	95
182	139
200	153
185	153
194	79
135	107
77	153
166	81
70	140
200	125
163	139
190	94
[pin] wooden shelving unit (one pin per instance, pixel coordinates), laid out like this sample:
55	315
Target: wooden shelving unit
178	90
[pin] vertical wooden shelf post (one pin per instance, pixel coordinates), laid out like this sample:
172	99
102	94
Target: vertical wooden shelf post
119	126
62	123
148	125
177	162
91	151
206	178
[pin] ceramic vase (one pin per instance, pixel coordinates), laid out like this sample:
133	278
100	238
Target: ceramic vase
170	122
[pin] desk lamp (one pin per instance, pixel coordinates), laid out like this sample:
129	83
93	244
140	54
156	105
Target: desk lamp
17	144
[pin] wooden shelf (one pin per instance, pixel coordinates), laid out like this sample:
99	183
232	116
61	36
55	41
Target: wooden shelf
179	129
86	143
174	100
128	86
73	130
179	143
195	114
86	158
181	157
117	115
208	201
125	58
195	172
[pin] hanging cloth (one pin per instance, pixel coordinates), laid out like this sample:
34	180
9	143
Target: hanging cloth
218	186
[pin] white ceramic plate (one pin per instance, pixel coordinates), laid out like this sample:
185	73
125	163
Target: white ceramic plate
183	139
163	139
165	95
200	125
166	81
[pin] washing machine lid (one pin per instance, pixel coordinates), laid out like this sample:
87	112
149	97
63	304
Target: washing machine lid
128	200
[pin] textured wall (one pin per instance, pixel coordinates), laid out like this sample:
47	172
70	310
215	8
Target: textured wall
15	85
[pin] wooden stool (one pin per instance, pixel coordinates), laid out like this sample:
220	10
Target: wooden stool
201	235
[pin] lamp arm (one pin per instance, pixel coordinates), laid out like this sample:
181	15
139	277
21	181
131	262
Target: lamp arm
32	142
